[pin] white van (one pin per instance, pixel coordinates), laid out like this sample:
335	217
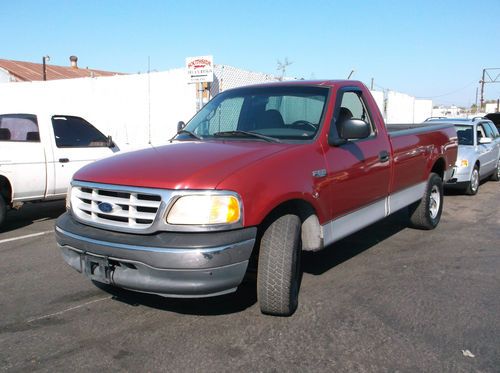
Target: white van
40	153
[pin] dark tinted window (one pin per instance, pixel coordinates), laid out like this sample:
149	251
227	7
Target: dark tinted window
465	135
493	130
75	132
19	127
487	130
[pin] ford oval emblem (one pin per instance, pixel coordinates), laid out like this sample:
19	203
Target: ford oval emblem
105	207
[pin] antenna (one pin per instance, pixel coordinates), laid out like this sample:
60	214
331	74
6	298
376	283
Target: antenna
149	100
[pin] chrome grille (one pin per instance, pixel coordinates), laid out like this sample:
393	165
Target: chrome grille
115	208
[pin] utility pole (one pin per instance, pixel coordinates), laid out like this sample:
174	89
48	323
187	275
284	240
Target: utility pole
45	59
371	86
477	89
282	67
482	88
487	78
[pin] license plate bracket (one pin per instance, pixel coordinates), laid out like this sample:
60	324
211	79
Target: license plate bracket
97	268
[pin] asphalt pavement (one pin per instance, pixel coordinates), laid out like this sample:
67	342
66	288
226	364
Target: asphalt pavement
388	298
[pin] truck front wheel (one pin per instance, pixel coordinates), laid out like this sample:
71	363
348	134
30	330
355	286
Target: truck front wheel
278	273
473	185
426	213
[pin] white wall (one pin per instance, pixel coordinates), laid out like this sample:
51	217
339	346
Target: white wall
379	99
399	107
422	110
131	108
4	76
127	107
491	107
135	108
403	108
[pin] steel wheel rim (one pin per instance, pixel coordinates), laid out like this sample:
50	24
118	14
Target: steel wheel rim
434	202
474	181
498	170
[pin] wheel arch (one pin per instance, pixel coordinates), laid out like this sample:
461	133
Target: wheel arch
312	238
439	167
6	189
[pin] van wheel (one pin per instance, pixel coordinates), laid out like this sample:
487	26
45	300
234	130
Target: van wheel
3	210
496	174
473	185
426	213
278	273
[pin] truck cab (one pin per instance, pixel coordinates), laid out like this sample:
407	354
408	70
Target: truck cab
39	153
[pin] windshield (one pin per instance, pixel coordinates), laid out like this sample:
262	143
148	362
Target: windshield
260	114
465	135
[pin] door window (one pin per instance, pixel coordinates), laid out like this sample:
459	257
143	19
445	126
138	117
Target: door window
487	131
493	130
353	107
19	127
76	132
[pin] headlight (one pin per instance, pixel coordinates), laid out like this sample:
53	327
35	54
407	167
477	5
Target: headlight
68	198
205	209
464	163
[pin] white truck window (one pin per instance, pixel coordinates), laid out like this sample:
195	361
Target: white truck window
19	127
76	132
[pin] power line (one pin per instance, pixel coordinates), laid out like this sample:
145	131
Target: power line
450	93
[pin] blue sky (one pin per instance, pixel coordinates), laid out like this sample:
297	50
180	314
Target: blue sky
424	48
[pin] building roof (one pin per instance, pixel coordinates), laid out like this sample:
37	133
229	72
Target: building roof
29	71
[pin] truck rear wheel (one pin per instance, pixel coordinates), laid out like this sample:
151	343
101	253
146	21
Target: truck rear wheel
3	210
426	213
278	274
473	185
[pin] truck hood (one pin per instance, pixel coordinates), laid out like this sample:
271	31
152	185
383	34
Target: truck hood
180	165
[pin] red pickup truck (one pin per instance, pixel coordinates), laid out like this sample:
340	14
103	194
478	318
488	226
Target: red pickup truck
260	174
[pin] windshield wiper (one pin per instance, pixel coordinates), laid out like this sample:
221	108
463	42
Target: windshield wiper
192	134
246	134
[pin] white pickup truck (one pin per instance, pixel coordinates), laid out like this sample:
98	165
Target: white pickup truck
40	153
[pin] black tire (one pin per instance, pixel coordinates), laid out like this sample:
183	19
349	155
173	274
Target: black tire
473	184
278	273
496	174
3	210
426	213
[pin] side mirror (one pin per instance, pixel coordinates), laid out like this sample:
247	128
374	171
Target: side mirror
351	129
485	140
180	125
109	142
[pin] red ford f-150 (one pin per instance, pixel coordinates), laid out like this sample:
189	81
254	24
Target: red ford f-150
262	173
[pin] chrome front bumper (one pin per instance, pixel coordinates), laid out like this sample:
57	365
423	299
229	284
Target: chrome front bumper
168	264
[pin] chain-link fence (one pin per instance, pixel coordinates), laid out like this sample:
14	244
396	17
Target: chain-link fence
227	77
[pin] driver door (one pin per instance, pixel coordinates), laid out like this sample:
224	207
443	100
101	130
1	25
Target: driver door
77	143
358	171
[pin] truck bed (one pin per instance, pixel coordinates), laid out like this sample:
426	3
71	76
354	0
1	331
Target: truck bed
402	129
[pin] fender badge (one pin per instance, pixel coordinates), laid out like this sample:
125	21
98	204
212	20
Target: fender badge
319	173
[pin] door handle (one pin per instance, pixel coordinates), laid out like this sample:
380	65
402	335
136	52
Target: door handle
63	160
383	156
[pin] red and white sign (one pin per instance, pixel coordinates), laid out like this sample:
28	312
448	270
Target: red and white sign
200	69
